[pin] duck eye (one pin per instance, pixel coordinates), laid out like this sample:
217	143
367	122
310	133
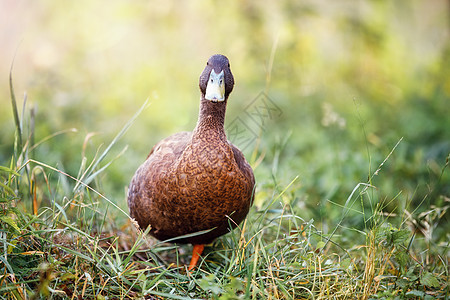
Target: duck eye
211	80
228	65
220	82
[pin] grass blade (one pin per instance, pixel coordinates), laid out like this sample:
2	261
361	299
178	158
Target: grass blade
102	156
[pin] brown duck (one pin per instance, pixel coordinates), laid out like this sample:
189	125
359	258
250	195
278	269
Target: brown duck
195	181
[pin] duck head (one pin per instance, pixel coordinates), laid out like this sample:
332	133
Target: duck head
216	81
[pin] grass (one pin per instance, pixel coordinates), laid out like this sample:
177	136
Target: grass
61	238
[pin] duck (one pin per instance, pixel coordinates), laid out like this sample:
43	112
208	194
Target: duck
195	186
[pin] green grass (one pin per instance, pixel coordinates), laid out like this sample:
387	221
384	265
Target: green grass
352	197
62	237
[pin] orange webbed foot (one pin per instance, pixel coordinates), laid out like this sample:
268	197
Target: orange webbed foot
196	252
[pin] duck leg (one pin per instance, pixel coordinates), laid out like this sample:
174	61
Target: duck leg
196	252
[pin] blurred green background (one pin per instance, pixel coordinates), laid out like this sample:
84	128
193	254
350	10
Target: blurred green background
350	79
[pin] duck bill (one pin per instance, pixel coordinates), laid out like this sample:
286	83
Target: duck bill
215	89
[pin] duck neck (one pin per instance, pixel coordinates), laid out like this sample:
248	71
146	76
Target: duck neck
211	119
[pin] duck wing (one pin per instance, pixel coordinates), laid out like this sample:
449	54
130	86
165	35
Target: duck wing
160	159
174	144
243	165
